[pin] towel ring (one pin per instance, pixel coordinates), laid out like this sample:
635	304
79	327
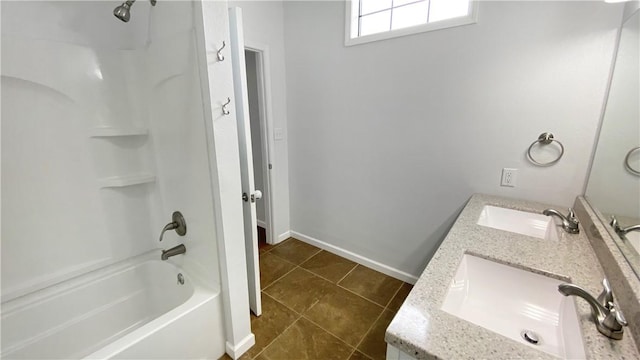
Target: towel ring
628	165
545	139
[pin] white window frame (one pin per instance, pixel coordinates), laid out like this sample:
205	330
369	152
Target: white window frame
351	12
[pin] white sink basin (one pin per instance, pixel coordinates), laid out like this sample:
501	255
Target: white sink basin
521	222
508	301
633	239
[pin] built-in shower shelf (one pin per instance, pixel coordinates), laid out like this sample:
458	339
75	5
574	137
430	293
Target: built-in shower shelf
126	180
118	131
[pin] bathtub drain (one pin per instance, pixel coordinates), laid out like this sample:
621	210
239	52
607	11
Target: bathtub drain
530	337
180	279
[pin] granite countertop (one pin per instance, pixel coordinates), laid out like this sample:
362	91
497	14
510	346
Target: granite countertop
423	331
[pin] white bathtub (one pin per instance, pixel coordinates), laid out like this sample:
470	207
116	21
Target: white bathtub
134	309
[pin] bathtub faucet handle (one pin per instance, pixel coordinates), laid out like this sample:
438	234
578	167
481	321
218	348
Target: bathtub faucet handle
178	224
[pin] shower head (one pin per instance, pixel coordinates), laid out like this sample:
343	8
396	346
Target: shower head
123	12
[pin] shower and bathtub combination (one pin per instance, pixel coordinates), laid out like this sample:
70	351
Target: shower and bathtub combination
109	127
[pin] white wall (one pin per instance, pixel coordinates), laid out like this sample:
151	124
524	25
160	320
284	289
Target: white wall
630	7
388	140
264	27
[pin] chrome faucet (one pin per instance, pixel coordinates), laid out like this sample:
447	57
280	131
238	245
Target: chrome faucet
620	230
609	320
176	250
178	224
569	223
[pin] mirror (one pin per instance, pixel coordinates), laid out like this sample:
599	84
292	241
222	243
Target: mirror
614	183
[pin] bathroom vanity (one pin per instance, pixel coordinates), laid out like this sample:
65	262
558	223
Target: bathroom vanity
512	276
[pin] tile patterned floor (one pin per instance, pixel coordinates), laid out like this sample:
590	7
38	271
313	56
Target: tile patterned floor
317	305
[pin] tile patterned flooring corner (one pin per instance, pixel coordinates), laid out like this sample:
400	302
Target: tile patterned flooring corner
317	305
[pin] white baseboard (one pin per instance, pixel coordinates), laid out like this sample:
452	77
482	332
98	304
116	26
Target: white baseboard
262	224
243	345
372	264
284	236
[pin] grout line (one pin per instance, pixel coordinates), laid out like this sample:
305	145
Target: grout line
285	260
301	315
318	275
330	333
368	331
277	337
271	247
369	357
394	296
383	309
344	288
303	261
298	317
386	307
360	296
312	305
264	251
347	274
352	352
281	303
309	258
365	355
278	279
351	291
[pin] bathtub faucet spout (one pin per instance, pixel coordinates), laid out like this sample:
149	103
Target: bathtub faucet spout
177	250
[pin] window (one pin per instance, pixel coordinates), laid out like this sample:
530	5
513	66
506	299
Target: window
371	20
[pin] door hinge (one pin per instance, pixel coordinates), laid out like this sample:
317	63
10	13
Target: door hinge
270	166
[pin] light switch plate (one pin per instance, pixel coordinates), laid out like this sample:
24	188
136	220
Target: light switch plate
278	134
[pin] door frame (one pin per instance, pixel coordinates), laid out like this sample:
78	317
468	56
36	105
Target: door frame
266	127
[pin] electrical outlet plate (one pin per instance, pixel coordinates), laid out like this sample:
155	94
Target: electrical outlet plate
509	177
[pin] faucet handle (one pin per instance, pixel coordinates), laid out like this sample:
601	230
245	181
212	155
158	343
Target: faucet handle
178	224
606	296
615	319
620	317
614	223
571	216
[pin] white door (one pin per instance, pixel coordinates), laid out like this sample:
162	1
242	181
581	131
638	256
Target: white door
250	194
